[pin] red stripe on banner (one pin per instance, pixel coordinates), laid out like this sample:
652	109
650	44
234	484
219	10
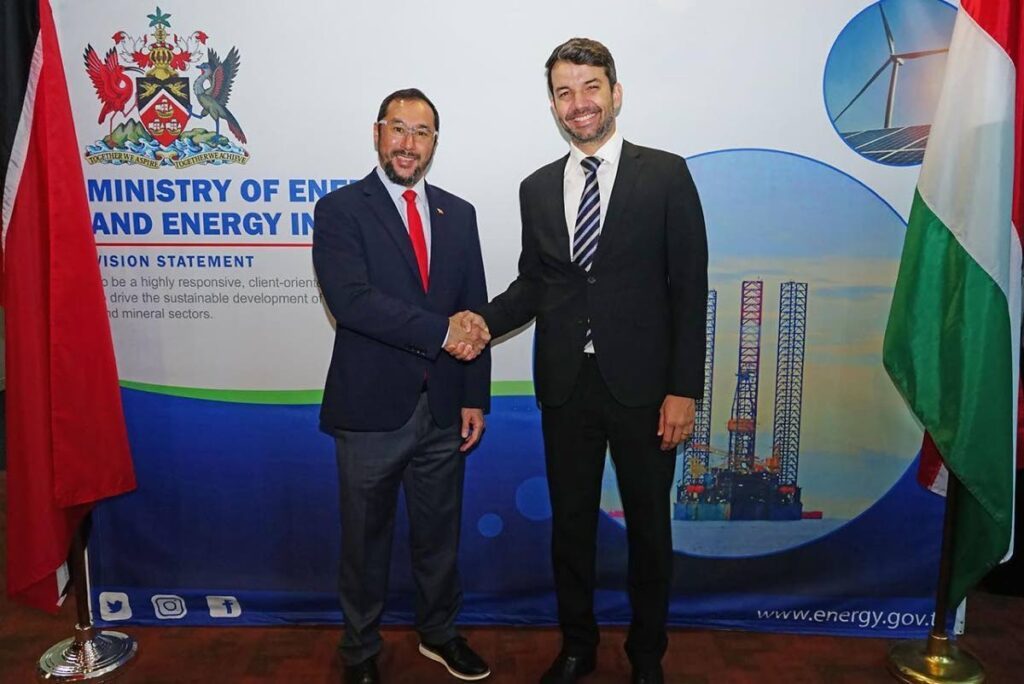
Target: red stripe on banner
67	443
198	245
1004	21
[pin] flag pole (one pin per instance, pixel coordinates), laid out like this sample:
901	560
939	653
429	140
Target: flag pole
91	655
937	660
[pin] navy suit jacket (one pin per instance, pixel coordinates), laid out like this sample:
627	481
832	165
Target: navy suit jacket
389	331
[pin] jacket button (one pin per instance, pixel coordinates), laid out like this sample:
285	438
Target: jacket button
591	280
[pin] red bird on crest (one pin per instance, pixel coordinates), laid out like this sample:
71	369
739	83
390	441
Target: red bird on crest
113	88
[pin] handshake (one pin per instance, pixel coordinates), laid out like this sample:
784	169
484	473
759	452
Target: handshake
467	335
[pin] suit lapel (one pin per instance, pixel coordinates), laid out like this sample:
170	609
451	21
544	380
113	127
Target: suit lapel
386	211
553	209
441	238
630	164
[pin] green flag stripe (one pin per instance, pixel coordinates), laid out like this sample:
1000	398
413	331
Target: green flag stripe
948	350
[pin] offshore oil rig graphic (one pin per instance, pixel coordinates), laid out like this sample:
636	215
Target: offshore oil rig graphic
741	486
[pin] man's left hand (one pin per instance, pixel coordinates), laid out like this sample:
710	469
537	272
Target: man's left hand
472	427
675	420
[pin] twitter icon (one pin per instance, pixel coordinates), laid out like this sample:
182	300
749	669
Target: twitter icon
114	605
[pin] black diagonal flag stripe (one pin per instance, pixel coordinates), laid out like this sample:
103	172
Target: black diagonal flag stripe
19	28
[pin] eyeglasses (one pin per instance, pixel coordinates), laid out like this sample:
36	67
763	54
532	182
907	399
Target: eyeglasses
398	130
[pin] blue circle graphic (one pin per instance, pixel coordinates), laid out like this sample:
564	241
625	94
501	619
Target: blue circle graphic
883	76
490	525
776	220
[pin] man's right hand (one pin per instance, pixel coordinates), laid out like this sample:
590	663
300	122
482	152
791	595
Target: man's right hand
467	335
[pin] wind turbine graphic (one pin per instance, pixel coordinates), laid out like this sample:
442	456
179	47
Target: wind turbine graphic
893	62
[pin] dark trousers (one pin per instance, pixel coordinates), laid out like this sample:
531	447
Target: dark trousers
425	460
576	435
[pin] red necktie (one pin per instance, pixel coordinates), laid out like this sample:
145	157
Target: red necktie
419	242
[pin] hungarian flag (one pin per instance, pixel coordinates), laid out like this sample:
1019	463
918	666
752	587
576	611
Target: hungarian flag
952	344
66	441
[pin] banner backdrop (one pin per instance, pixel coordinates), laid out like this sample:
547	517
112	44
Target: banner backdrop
208	132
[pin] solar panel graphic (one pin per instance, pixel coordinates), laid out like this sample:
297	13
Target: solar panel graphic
900	146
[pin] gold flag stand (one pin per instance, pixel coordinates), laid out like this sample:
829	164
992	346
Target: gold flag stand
937	660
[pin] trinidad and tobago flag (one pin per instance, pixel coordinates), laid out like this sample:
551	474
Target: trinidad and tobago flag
66	441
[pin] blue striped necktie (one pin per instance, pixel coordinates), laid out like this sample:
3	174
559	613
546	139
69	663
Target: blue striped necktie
588	221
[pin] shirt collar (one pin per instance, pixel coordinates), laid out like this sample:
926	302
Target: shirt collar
396	190
608	153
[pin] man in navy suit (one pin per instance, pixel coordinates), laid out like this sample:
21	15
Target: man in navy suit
395	258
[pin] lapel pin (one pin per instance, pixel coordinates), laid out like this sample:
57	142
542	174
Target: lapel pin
440	211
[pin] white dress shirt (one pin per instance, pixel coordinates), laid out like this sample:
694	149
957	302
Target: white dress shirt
396	190
575	177
574	180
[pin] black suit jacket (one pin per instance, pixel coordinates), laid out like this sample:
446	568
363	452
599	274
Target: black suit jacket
389	331
644	298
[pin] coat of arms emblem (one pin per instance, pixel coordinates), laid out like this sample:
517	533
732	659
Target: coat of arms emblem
153	109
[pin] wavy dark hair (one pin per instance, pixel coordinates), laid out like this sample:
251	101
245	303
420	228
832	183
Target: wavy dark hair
582	51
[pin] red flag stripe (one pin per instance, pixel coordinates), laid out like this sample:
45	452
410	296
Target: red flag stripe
1001	19
67	443
932	473
1004	21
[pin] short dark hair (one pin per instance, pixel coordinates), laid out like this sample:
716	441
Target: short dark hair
408	94
582	51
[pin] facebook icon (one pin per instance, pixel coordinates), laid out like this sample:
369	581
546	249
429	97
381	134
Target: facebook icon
223	606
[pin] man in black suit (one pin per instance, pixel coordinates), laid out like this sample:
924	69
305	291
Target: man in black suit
614	269
395	257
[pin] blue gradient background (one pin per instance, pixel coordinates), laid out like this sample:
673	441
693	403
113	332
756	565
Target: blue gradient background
251	511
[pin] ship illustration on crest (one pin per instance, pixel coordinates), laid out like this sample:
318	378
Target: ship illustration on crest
160	98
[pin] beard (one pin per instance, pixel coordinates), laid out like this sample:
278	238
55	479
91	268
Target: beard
599	134
417	173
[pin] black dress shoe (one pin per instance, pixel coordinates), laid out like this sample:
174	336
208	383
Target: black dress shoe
458	658
567	668
362	673
648	675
